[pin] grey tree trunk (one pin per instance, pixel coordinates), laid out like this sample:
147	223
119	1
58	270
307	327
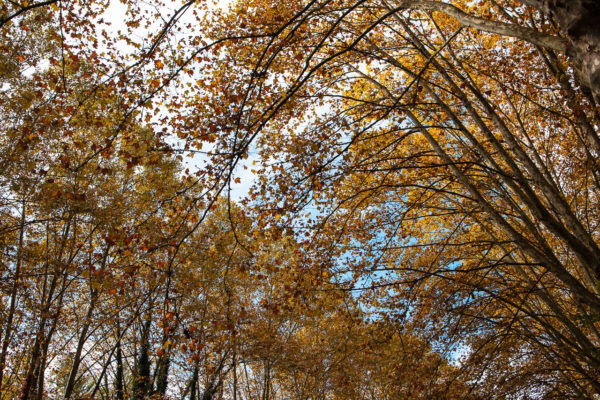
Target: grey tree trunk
13	298
80	343
579	22
142	382
119	378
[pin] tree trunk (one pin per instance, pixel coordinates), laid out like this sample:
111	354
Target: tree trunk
194	382
13	298
41	374
162	374
579	23
119	376
141	384
80	343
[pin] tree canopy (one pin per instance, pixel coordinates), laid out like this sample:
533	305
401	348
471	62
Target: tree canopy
421	221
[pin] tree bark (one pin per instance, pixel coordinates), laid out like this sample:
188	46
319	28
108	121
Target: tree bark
194	382
13	297
485	25
119	378
579	23
80	343
141	384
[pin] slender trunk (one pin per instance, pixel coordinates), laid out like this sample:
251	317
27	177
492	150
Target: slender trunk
44	349
41	374
162	374
13	297
141	384
267	378
234	376
39	345
119	376
194	382
36	376
215	381
164	361
33	362
80	343
106	387
120	334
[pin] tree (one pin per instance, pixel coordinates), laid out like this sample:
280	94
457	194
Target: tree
423	166
450	153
